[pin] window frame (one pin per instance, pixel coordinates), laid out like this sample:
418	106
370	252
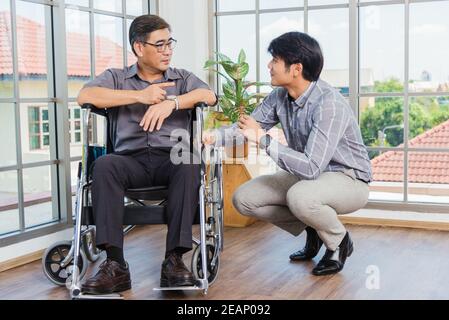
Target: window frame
58	102
355	93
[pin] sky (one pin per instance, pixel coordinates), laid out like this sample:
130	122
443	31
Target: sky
381	33
381	36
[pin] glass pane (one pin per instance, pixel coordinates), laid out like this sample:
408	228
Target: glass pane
108	5
330	27
325	2
74	180
78	50
388	175
274	4
230	45
75	147
9	212
7	134
135	7
273	25
429	48
37	196
131	57
84	3
236	5
428	176
32	54
372	0
429	122
381	48
97	130
108	43
6	72
32	125
381	121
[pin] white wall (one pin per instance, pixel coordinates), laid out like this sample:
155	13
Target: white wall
189	22
33	245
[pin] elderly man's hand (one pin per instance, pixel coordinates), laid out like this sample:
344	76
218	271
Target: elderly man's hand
156	114
154	93
250	128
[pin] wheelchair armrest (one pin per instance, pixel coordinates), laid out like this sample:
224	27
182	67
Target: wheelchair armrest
87	106
201	105
94	109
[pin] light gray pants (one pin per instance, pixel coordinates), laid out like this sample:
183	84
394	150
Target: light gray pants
292	204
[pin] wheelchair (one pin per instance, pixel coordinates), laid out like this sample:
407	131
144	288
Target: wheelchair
142	206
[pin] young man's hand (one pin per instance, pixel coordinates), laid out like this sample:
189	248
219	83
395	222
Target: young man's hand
250	128
209	137
156	114
154	93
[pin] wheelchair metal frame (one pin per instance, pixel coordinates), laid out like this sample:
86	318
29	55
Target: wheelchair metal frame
210	210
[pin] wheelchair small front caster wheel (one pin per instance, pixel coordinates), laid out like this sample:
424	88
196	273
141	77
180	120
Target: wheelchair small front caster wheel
54	256
197	269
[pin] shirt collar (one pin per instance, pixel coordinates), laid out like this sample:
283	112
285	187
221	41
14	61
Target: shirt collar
302	99
169	74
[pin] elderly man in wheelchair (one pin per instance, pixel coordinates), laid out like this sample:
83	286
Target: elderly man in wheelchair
145	103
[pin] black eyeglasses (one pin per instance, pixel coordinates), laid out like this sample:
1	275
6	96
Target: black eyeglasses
161	47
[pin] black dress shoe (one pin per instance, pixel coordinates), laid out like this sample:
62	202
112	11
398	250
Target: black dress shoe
333	261
311	249
174	272
111	277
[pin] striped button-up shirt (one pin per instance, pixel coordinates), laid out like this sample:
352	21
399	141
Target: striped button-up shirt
321	131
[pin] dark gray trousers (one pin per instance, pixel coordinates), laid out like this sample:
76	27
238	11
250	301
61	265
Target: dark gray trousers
114	173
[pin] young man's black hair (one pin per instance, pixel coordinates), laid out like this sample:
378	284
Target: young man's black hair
298	47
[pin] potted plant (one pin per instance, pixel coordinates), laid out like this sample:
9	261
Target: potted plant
236	100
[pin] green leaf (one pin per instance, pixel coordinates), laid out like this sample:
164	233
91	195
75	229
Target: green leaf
257	96
242	56
221	74
229	91
244	68
232	69
210	63
248	84
222	56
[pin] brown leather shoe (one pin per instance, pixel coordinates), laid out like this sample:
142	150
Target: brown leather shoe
111	277
174	272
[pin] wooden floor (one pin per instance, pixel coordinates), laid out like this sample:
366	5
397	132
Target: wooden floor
411	264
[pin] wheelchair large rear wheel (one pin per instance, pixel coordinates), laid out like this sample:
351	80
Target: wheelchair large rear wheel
51	263
197	269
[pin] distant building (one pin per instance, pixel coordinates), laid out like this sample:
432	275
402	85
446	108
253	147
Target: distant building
426	170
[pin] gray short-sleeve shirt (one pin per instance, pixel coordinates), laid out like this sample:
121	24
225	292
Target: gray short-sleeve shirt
124	120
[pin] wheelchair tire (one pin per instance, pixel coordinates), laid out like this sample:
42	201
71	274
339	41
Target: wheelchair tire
197	269
52	258
89	246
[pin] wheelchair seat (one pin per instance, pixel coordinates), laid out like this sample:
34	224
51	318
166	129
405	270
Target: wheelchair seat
148	193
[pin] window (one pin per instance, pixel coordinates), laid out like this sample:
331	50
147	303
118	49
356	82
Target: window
398	85
32	161
75	124
39	128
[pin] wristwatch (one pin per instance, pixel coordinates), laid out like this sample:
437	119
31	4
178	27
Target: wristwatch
175	99
264	141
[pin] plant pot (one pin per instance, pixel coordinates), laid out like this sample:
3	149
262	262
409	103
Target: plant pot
237	151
